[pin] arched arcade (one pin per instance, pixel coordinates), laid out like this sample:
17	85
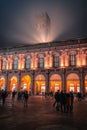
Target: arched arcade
13	84
55	83
26	83
2	83
73	83
40	84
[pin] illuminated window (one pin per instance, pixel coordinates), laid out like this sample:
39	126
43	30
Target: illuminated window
43	88
41	62
4	64
72	59
28	63
86	89
56	87
78	87
56	61
72	87
15	63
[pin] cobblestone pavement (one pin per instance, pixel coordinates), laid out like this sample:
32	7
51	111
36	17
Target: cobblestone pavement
41	115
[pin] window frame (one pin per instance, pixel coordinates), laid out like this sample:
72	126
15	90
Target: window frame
72	60
56	61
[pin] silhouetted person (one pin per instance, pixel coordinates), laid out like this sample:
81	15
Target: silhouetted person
25	98
63	101
68	102
3	96
71	101
79	96
13	96
57	100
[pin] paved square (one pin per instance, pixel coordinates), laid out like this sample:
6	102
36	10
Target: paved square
41	115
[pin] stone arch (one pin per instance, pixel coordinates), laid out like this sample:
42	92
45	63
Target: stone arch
2	83
40	84
40	73
26	82
29	74
73	82
13	83
55	82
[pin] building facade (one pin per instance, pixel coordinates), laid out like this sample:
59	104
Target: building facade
45	67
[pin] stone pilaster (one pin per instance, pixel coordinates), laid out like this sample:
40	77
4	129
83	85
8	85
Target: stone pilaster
7	84
32	83
47	82
82	87
63	80
19	82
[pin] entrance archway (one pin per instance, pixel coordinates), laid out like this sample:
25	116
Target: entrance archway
86	83
26	83
55	83
40	84
2	83
73	83
13	84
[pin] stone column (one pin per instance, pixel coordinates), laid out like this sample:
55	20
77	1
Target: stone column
47	81
19	82
32	83
82	88
7	81
63	80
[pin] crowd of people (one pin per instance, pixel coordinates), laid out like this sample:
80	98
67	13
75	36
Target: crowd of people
64	101
22	95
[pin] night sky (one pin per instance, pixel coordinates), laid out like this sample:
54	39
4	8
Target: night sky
18	17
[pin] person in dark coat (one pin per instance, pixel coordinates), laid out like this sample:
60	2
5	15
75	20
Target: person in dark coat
79	96
63	101
68	102
25	98
57	100
13	96
3	96
71	101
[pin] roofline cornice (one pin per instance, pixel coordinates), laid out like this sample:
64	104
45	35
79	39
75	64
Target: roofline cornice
71	42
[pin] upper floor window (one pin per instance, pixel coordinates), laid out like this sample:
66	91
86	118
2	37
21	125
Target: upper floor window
41	62
15	63
72	59
28	63
4	64
56	61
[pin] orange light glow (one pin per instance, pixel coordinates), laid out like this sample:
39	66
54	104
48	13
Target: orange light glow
55	83
26	83
62	65
83	57
78	59
2	82
73	82
39	82
13	83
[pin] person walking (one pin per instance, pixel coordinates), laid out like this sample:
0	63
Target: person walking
25	98
68	102
13	96
71	101
3	96
57	100
63	101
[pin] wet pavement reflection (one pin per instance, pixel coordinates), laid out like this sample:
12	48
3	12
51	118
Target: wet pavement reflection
41	115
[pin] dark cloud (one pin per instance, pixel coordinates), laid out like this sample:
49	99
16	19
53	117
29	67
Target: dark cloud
17	20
